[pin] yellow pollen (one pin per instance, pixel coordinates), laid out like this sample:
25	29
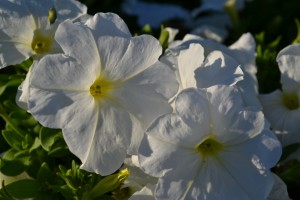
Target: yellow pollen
41	44
291	101
102	88
209	147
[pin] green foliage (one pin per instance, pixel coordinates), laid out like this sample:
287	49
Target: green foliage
268	74
26	188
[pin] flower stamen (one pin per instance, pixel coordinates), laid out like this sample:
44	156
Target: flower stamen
291	101
209	147
41	44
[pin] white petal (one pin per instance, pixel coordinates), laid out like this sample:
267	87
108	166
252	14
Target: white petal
229	118
69	9
101	139
218	69
78	41
38	8
23	90
192	105
243	50
16	31
123	58
280	117
56	83
146	95
188	61
177	184
288	59
245	166
279	190
108	24
146	193
167	139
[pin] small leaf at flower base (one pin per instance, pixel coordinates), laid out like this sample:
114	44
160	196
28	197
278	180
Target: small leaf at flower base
12	168
26	188
25	64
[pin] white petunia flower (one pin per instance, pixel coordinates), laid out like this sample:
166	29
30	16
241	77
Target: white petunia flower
111	24
240	55
282	107
27	27
103	92
213	148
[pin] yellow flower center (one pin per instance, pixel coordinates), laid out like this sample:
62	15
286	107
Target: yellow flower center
102	88
41	44
291	101
209	146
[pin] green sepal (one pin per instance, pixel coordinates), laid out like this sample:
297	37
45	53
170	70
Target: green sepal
164	38
108	184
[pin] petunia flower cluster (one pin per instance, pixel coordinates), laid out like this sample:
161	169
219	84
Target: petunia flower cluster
189	117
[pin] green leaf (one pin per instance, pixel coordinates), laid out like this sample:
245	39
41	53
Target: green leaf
59	151
48	137
297	39
36	144
26	188
45	195
12	167
10	154
13	139
45	174
10	83
292	173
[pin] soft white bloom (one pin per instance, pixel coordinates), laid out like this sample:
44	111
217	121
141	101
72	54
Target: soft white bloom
27	27
282	107
111	24
103	92
242	51
212	148
194	70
